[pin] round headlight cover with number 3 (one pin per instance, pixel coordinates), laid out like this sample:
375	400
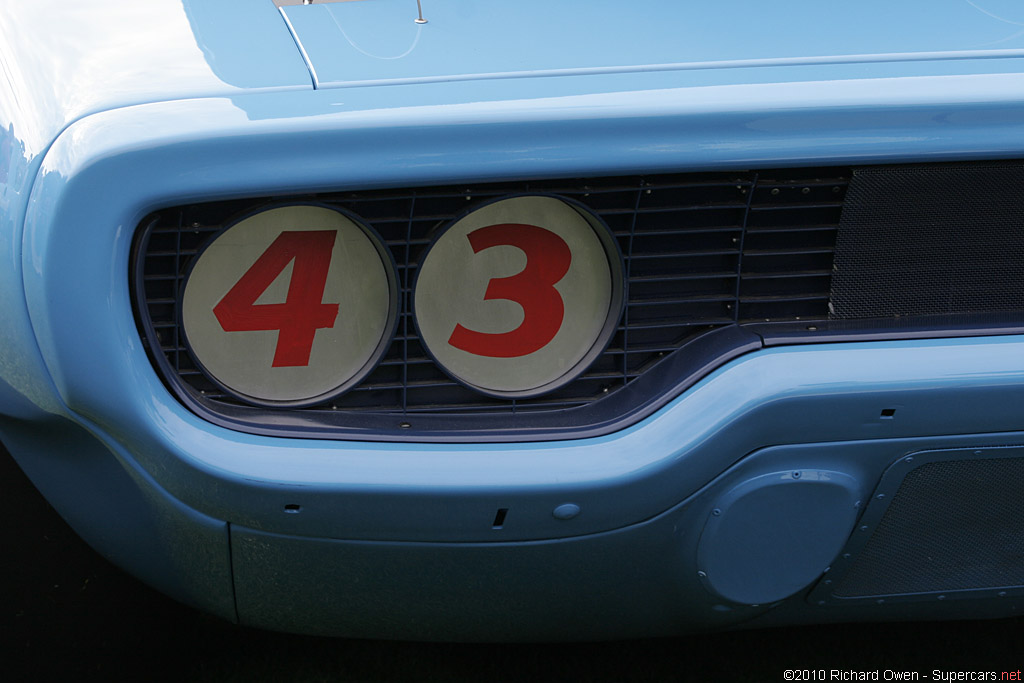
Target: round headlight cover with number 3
290	306
518	297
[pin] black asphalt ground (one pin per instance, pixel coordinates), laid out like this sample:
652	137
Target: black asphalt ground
68	615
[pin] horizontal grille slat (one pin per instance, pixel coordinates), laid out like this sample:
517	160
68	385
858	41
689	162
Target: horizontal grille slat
701	251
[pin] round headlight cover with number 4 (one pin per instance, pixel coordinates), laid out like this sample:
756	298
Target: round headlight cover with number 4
290	306
519	296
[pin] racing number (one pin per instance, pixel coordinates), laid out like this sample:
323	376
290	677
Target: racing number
302	313
547	261
548	258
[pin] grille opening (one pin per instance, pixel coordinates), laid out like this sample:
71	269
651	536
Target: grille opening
701	251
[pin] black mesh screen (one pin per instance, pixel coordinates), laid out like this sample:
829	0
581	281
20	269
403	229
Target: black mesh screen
953	525
931	240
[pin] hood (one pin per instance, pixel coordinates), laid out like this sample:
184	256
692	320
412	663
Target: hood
61	63
360	42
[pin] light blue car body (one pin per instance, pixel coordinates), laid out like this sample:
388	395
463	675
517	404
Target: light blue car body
109	111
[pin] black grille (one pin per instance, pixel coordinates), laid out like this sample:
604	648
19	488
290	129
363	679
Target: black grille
702	251
920	240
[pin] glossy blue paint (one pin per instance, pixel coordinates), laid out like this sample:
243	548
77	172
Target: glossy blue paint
793	521
124	514
646	576
25	387
96	56
154	107
93	57
378	42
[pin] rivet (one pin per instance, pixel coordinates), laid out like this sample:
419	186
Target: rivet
404	425
942	597
775	191
1002	594
716	512
702	575
880	496
566	511
812	328
828	582
909	458
796	475
846	556
864	528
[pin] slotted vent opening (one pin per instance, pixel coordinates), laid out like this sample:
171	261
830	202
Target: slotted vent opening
701	251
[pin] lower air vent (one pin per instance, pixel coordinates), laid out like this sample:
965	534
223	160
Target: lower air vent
953	526
941	525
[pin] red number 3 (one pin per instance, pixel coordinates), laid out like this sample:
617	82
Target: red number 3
547	261
302	313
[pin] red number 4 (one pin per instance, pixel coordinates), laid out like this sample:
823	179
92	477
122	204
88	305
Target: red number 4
302	313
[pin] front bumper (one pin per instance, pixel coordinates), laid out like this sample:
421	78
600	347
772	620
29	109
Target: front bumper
400	540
